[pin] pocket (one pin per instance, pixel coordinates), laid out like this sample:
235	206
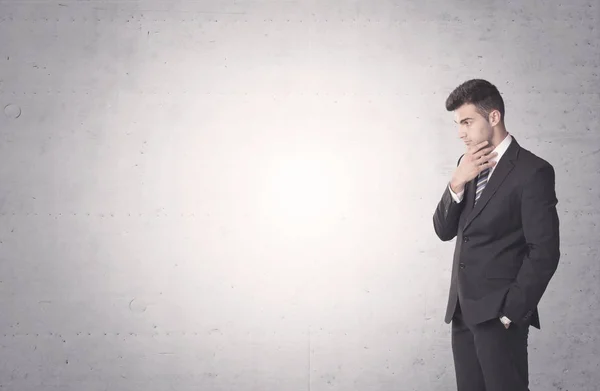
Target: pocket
508	272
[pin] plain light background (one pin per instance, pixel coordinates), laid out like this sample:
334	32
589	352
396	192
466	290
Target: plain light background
238	195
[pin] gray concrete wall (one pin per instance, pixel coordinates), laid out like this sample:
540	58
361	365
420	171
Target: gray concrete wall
202	195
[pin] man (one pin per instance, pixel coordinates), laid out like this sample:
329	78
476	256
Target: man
500	205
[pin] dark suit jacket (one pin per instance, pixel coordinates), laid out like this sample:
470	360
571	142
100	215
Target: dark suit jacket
507	246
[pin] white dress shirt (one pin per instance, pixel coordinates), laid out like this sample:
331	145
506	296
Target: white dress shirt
500	149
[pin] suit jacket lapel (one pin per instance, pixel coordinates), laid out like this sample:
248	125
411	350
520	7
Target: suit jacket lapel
503	168
470	196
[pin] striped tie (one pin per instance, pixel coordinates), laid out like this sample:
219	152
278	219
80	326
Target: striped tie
481	182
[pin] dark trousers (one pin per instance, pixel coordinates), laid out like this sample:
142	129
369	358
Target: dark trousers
489	357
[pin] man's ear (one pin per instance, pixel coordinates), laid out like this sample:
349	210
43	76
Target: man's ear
494	117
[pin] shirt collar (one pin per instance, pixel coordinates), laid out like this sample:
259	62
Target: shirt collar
502	147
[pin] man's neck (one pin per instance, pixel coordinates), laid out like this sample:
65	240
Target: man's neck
499	137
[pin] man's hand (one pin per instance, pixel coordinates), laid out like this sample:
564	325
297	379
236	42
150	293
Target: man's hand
475	160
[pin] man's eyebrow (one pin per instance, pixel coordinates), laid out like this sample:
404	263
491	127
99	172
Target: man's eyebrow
463	120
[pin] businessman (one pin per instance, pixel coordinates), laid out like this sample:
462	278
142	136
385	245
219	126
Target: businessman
500	205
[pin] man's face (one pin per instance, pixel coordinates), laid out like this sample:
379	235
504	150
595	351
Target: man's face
473	128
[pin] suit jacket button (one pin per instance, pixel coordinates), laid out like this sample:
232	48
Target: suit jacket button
461	265
466	239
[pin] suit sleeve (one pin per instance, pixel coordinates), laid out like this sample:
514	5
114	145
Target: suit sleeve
541	230
447	215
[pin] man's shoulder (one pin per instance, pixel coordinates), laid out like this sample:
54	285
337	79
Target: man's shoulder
531	161
533	167
536	174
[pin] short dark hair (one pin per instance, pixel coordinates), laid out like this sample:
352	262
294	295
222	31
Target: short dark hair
481	93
